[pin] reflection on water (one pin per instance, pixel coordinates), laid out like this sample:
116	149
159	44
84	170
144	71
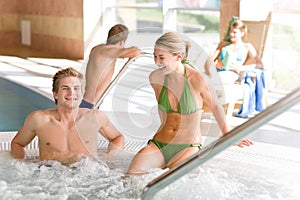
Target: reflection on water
16	102
90	179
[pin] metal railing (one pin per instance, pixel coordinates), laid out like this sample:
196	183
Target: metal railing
221	144
118	76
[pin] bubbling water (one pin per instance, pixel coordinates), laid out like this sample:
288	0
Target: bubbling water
90	179
86	179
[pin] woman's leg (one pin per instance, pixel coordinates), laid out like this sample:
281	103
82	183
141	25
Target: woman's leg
182	155
147	158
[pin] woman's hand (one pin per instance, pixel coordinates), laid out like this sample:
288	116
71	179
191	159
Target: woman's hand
245	142
236	70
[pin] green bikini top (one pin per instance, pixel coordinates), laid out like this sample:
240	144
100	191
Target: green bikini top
186	104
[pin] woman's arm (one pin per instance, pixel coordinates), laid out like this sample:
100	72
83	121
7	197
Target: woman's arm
208	93
253	55
210	97
156	81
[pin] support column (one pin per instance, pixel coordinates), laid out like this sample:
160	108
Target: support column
250	11
169	15
228	8
108	16
92	22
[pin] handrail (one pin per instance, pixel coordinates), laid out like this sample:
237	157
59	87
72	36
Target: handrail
118	76
221	144
171	8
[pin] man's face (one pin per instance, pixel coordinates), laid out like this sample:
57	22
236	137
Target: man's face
69	92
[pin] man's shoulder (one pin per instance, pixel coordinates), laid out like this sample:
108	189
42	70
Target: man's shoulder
105	50
93	114
41	113
87	111
99	47
39	117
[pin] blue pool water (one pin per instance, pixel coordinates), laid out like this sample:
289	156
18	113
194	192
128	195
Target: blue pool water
16	102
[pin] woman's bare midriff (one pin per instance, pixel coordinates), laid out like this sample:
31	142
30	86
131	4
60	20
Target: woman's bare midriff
180	129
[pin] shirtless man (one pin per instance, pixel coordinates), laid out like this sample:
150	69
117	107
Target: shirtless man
101	64
67	133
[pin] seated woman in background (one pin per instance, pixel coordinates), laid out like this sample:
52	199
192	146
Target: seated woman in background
232	53
230	58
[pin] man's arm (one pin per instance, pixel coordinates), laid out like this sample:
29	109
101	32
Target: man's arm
24	136
110	132
130	52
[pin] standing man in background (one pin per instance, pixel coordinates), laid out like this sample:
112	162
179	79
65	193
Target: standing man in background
101	64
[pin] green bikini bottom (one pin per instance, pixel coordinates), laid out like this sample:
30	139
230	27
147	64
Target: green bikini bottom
170	150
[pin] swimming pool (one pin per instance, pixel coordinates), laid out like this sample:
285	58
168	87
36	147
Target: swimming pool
267	170
251	173
17	101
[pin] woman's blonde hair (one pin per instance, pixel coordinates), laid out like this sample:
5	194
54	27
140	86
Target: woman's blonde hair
174	43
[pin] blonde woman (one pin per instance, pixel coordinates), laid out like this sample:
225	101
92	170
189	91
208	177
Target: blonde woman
180	92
